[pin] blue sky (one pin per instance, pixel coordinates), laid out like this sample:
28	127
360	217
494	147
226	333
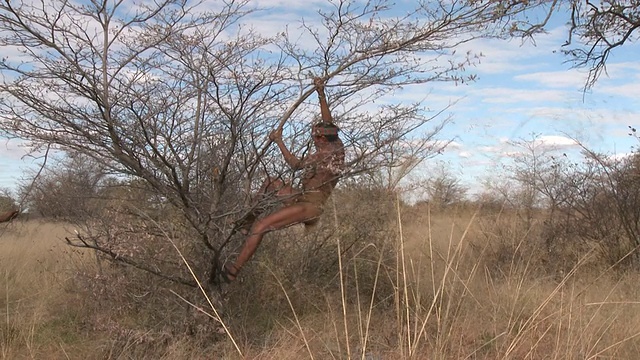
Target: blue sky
522	89
527	89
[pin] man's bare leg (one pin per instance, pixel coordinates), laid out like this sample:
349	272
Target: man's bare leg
283	193
284	217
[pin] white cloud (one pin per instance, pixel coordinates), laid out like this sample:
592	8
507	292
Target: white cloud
288	4
585	116
573	79
504	148
511	57
450	146
622	69
446	145
497	152
629	90
622	156
491	149
506	95
554	141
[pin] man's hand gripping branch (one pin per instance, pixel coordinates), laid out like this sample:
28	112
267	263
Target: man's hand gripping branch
292	160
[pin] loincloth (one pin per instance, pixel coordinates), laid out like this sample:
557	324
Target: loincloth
317	198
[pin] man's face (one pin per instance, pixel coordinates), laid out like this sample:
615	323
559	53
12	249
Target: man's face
319	134
318	140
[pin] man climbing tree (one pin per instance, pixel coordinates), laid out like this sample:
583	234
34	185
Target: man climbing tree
321	172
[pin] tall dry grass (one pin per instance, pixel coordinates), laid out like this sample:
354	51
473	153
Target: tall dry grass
434	285
40	318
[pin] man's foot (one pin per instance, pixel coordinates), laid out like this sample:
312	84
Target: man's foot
244	229
229	273
244	225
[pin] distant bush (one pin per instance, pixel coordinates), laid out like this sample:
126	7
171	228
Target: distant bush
601	207
575	208
67	190
444	189
6	202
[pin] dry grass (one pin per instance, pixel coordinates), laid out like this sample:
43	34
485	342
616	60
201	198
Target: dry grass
39	319
462	286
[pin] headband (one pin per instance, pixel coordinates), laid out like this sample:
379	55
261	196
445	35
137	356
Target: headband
323	131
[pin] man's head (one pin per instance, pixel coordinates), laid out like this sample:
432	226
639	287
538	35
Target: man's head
326	130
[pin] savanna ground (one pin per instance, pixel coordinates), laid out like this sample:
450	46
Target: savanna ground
420	283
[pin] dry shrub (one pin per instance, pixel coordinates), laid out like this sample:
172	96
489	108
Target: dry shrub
488	306
540	247
358	222
366	230
7	203
67	190
142	307
143	316
581	206
508	245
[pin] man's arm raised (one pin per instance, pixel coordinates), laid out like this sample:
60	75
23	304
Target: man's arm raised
324	108
291	159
